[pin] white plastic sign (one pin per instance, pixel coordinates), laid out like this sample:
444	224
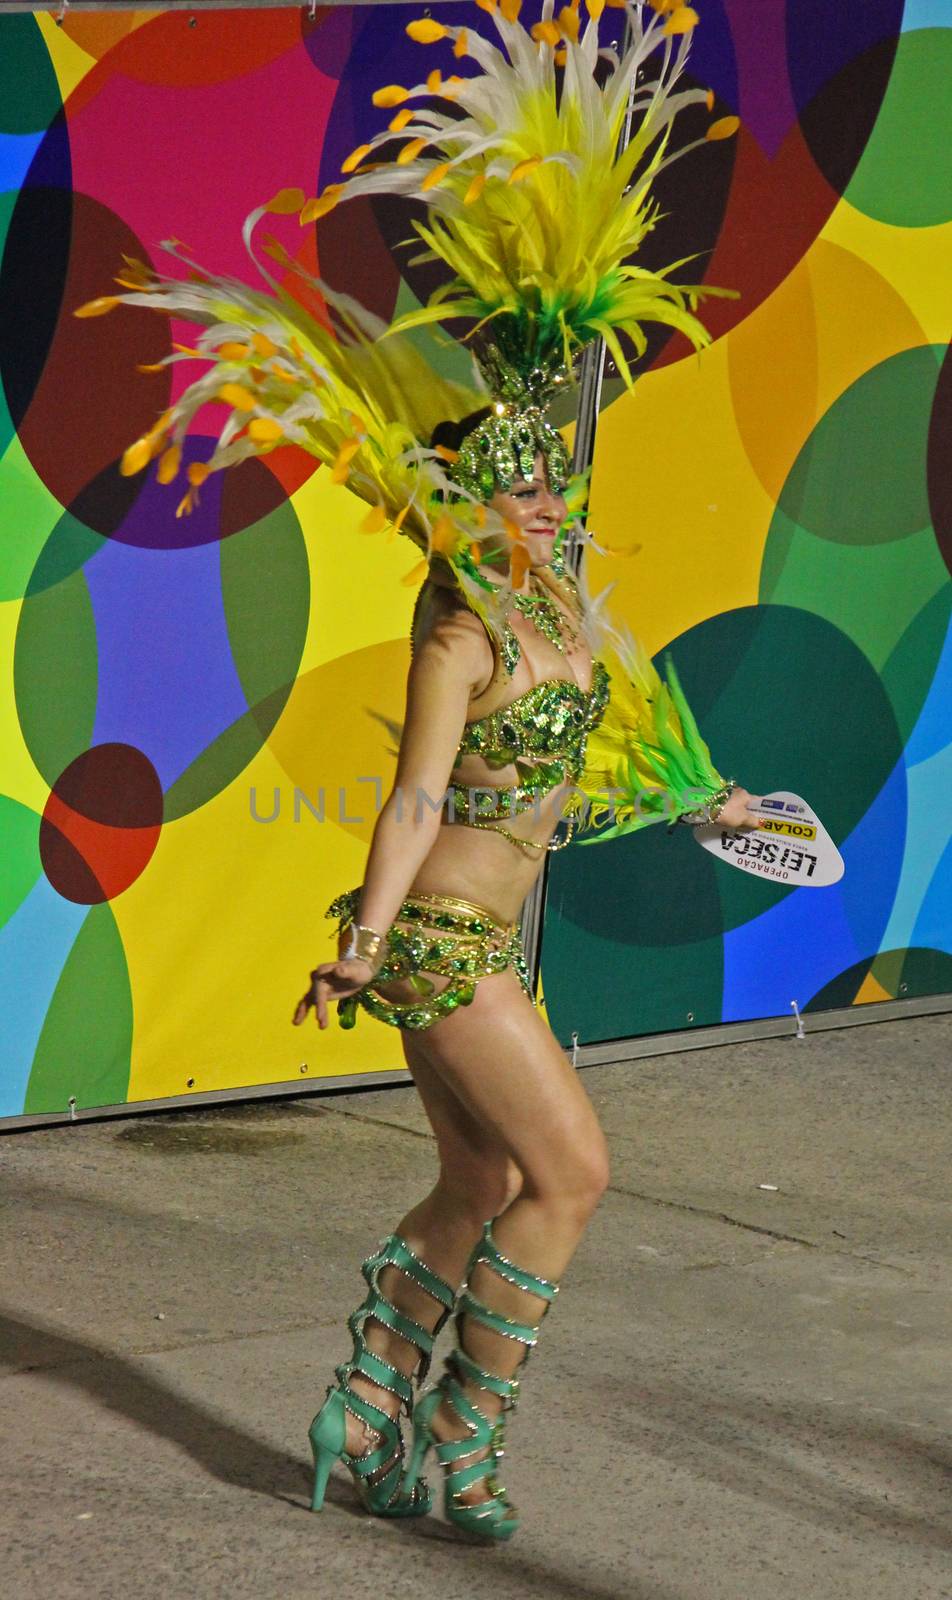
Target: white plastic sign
792	847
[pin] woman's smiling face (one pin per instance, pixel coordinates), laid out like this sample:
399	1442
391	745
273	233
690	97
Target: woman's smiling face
536	512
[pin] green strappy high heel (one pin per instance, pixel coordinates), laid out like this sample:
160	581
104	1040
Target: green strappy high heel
495	1518
377	1473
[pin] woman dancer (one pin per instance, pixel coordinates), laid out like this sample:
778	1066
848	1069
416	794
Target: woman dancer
535	202
517	1136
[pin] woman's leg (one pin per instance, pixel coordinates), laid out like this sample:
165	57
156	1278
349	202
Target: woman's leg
500	1060
504	1066
477	1180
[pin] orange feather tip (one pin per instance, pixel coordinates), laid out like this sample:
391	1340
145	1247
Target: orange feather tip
569	23
135	457
682	20
546	33
355	158
410	151
444	537
724	128
320	206
99	306
265	430
518	566
169	463
236	395
426	31
391	95
286	202
435	175
375	520
522	169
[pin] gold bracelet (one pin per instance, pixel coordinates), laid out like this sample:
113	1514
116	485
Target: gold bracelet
364	945
704	816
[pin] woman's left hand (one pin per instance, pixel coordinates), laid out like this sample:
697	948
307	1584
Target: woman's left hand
736	813
332	980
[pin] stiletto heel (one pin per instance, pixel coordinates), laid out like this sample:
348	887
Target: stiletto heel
328	1436
495	1518
422	1438
378	1472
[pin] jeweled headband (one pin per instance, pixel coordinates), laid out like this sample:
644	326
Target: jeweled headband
504	445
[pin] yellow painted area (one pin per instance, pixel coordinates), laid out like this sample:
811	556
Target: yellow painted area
20	780
357	595
689	466
832	319
913	260
68	59
220	934
77	43
869	991
861	319
776	400
330	735
672	473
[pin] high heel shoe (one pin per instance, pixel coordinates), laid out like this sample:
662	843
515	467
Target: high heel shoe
494	1518
378	1471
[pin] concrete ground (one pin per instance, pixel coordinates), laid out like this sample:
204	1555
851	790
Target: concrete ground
743	1393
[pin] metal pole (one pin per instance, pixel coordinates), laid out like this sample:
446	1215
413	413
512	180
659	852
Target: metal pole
590	377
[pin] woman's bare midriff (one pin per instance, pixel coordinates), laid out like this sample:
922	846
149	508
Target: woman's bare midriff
483	866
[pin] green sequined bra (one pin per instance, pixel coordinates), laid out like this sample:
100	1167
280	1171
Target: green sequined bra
543	733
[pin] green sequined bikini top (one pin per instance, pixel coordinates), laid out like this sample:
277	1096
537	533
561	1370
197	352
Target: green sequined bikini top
543	731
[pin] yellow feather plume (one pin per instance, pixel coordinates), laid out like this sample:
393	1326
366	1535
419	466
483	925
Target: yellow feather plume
532	202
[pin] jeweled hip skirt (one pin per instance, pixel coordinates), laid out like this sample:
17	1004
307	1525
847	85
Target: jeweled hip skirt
433	936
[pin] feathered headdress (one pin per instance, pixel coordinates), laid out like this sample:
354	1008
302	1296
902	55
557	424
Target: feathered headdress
537	179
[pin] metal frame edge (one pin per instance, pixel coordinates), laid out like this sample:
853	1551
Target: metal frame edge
609	1052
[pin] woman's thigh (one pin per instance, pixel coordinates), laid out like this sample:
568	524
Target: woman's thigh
473	1159
503	1064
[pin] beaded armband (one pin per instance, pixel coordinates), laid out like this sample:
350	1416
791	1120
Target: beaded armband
709	813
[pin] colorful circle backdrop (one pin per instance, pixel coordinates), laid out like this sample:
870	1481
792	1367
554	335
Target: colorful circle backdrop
197	714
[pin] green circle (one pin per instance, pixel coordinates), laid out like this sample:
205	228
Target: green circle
29	91
904	176
860	478
20	864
